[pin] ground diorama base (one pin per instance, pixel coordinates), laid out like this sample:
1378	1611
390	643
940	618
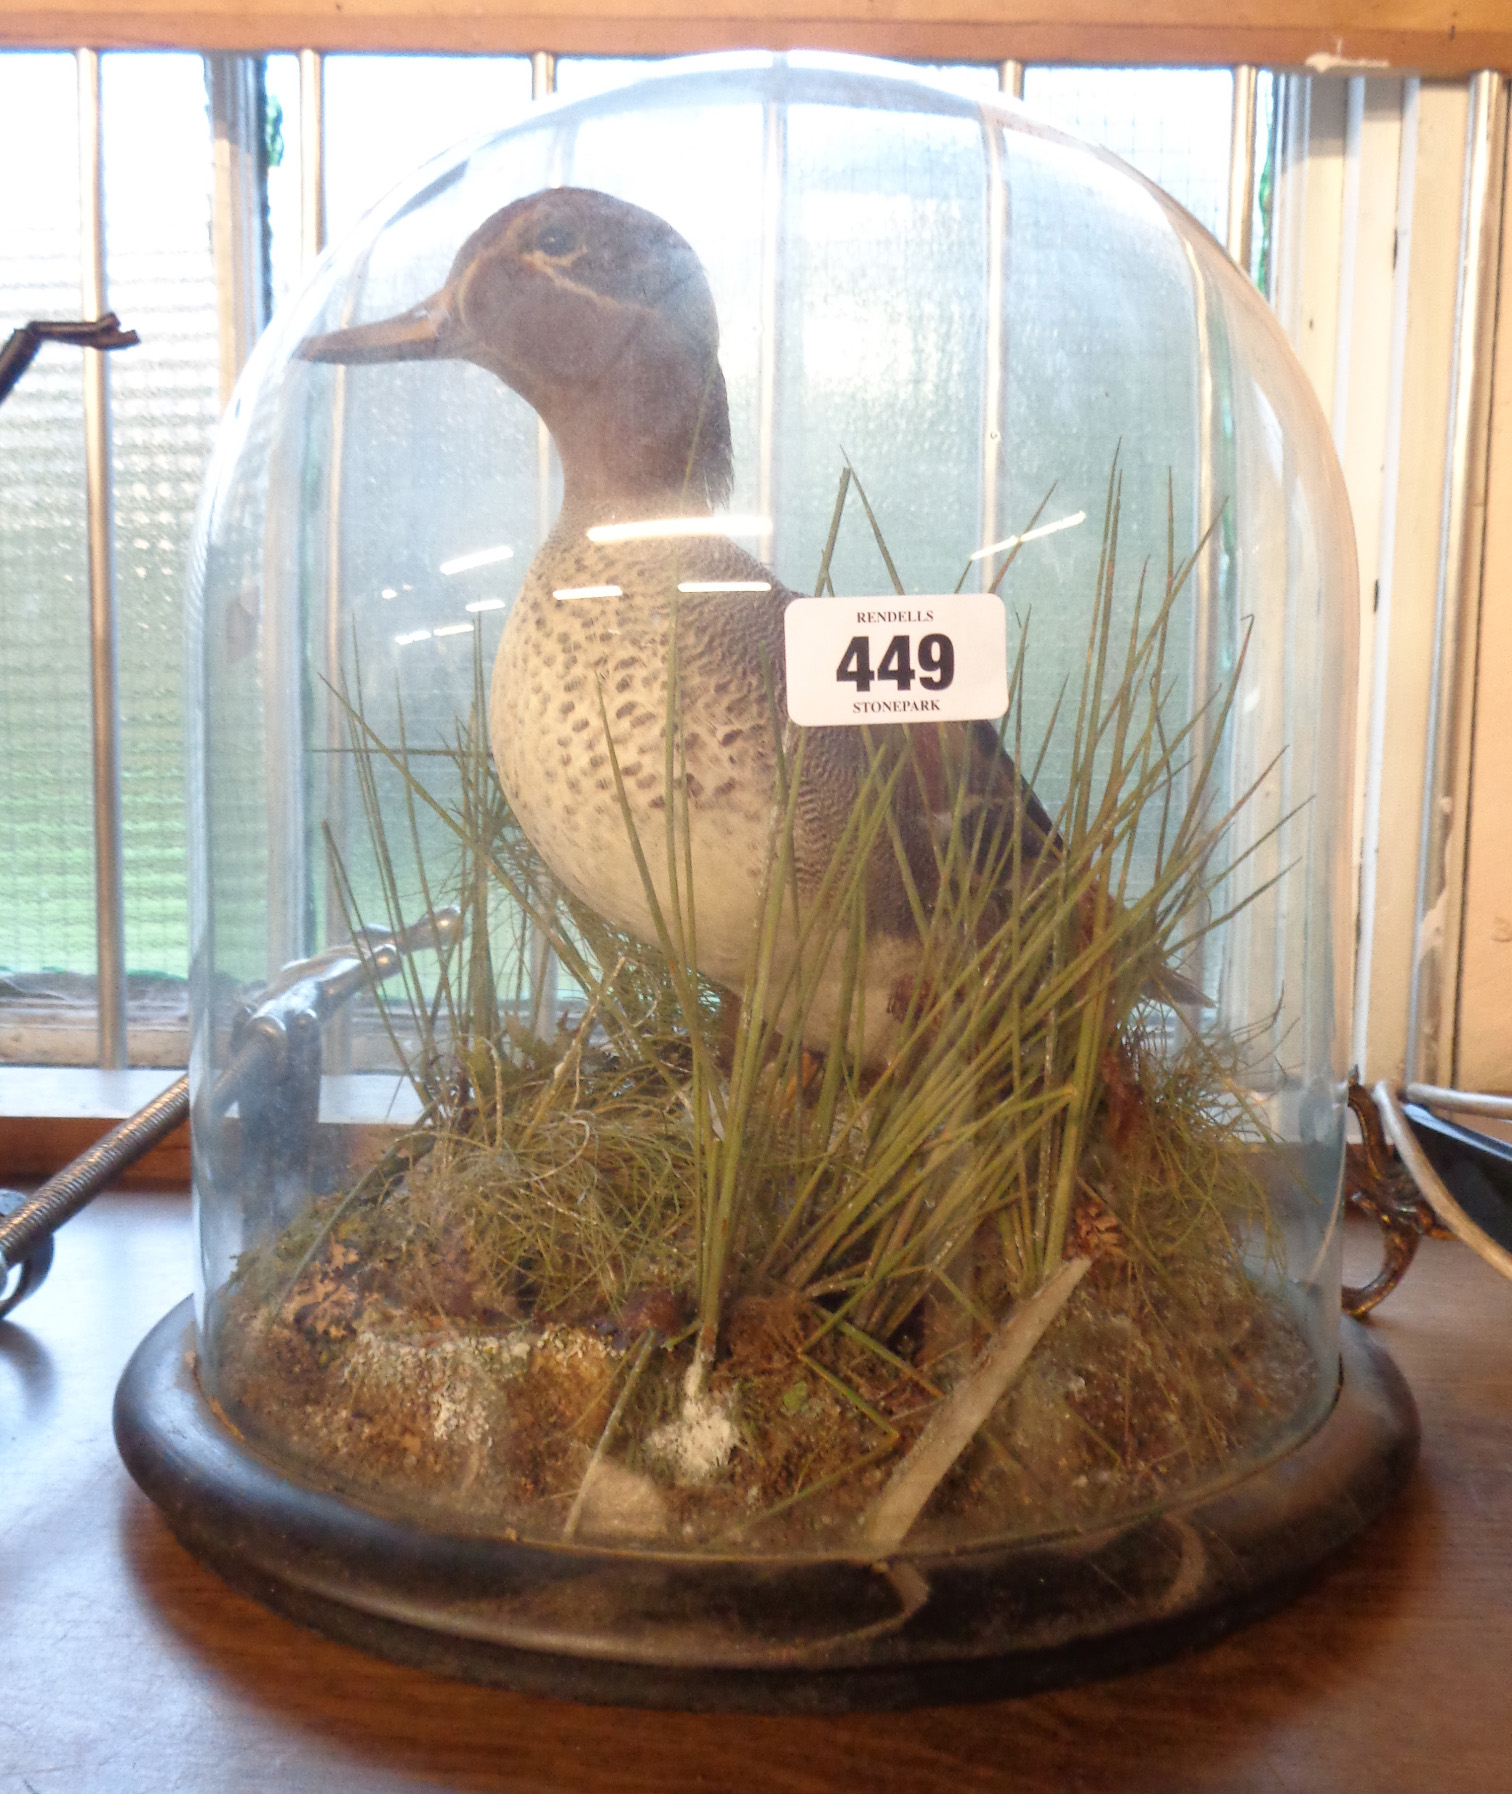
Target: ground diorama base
768	1633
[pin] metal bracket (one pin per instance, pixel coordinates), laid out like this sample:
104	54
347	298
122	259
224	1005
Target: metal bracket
31	1270
21	345
274	1073
1377	1184
277	1054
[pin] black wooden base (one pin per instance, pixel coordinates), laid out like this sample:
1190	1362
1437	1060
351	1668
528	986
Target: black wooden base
771	1634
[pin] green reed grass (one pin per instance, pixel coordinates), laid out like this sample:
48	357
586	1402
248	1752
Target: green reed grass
649	1146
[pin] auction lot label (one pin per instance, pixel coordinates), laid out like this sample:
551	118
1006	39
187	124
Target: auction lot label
897	660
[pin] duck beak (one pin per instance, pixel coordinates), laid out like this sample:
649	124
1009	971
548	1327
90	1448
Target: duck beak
423	333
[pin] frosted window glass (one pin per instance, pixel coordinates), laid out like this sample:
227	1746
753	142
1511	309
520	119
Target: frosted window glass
47	909
973	80
165	399
386	115
1173	125
580	77
856	372
1072	333
976	80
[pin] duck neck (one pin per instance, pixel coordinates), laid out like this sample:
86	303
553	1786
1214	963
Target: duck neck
653	435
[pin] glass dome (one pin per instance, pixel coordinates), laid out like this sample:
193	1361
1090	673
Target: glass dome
773	662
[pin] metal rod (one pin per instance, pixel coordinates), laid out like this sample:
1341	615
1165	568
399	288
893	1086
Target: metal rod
1461	1102
1241	194
1206	623
286	604
542	87
236	211
110	905
543	984
282	649
78	1183
1349	257
339	1041
542	960
20	347
312	211
992	372
338	1044
1210	609
1011	79
1431	1186
1431	995
773	174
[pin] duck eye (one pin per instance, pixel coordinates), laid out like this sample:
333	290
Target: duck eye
556	239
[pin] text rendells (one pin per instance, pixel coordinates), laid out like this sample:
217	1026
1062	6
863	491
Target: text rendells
869	660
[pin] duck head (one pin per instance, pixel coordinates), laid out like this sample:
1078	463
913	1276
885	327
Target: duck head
600	316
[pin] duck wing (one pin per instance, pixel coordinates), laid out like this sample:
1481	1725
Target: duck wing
732	642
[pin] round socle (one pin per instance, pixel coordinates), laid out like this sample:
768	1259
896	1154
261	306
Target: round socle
797	1634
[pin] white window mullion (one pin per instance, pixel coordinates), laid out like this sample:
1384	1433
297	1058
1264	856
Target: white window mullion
312	185
104	645
1428	252
240	204
1241	197
1366	376
1483	1040
1435	994
1391	143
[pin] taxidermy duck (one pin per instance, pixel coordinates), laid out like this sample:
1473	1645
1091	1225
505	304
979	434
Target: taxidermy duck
600	316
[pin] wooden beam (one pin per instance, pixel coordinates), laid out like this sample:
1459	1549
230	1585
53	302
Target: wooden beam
1431	36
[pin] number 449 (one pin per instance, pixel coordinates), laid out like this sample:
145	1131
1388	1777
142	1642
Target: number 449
936	662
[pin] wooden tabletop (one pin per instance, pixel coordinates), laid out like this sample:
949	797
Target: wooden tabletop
124	1666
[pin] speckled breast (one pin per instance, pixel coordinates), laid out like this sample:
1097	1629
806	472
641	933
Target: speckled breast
566	667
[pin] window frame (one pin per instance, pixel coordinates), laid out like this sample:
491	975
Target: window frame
1384	1040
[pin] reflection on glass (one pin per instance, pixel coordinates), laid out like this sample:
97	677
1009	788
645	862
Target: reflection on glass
1030	535
724	585
653	529
480	557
